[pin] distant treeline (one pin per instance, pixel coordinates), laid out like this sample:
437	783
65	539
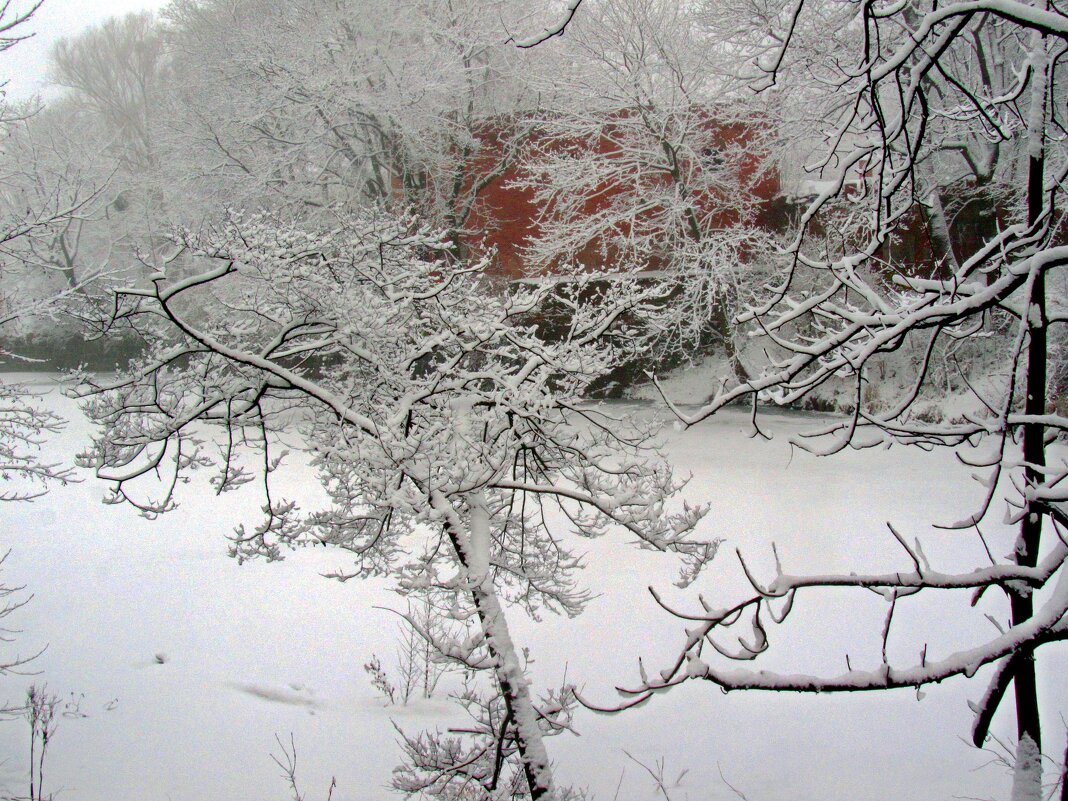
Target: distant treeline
59	353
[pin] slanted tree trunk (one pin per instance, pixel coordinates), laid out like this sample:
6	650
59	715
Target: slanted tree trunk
934	217
721	321
473	550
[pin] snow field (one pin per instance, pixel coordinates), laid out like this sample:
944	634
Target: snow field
258	649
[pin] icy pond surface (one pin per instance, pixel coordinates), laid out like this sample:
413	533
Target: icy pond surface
184	665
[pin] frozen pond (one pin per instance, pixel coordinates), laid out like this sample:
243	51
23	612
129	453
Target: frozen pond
185	665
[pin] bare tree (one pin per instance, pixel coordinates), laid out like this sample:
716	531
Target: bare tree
443	428
41	712
12	599
12	30
418	667
916	78
117	71
287	763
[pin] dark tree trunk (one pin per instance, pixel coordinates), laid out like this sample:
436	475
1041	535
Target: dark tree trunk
1034	452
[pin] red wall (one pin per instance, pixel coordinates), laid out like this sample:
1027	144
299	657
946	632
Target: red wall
505	217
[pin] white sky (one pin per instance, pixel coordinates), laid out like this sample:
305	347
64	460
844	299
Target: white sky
25	66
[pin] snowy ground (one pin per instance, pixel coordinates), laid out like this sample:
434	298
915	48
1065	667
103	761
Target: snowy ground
254	650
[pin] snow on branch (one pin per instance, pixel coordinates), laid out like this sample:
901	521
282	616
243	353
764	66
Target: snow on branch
915	106
552	31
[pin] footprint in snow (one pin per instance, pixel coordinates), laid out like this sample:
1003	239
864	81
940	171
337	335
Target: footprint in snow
293	695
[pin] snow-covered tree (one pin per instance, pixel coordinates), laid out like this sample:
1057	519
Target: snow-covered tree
83	170
54	171
410	103
917	89
24	421
652	162
454	443
117	83
25	217
117	72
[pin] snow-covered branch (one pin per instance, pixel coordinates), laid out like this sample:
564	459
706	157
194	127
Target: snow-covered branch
923	117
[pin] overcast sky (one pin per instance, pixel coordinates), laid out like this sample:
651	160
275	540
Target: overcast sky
25	66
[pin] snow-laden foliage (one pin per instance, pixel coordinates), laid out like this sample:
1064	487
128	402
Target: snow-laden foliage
467	761
24	424
335	104
652	164
393	101
443	428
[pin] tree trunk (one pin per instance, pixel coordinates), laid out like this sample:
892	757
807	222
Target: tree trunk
1064	773
934	216
1034	448
721	320
1027	775
474	551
